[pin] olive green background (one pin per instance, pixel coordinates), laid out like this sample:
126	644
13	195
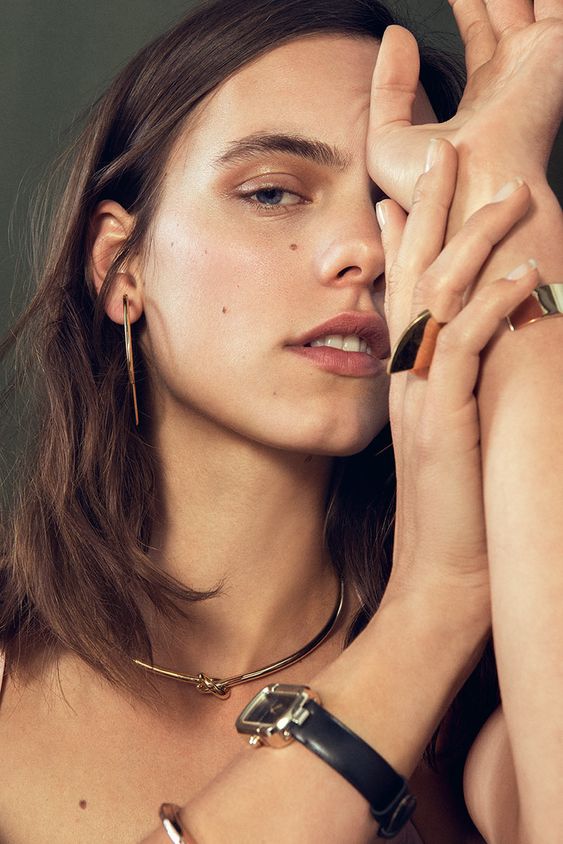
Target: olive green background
56	57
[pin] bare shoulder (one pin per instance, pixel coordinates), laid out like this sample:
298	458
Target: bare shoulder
489	782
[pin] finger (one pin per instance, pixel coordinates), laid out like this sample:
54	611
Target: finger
395	80
392	220
444	287
476	32
548	9
508	15
426	225
423	235
447	282
455	366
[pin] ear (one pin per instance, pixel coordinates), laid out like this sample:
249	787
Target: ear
110	226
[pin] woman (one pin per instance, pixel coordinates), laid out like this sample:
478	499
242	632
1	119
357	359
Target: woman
221	207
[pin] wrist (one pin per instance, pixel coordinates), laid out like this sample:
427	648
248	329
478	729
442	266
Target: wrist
481	168
481	175
538	235
395	682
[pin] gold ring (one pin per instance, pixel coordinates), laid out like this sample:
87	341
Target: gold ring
415	347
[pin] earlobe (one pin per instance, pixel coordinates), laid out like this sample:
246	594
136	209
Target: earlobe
110	226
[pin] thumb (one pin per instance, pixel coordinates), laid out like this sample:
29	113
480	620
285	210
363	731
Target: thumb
394	81
395	150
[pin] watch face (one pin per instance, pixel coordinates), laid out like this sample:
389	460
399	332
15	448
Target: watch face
269	708
270	713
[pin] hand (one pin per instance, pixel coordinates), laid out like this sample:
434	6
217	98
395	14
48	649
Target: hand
509	114
440	538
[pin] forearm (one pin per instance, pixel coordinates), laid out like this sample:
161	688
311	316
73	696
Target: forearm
391	686
521	411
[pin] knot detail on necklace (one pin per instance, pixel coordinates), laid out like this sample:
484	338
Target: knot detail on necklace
211	686
222	688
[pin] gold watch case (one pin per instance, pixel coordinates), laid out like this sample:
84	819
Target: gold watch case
266	719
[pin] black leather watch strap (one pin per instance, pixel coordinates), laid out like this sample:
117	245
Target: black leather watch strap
387	792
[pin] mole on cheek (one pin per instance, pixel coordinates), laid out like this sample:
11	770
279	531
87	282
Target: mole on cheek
224	309
82	804
293	246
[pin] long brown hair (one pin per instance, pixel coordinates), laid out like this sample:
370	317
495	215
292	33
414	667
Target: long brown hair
74	568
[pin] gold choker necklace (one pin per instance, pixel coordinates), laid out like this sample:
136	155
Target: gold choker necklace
222	688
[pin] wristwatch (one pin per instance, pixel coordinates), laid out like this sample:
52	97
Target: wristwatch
281	713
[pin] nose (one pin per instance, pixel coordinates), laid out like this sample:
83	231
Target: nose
351	251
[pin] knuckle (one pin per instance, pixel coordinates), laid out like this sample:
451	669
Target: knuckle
481	231
475	30
456	336
490	295
429	189
427	286
448	339
420	191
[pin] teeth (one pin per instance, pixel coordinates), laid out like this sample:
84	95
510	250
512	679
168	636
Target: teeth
336	341
350	343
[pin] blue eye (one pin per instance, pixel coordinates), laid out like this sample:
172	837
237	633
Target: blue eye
271	196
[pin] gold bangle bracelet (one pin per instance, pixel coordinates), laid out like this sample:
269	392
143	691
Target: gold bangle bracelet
169	814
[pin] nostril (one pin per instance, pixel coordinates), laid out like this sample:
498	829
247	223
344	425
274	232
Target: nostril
345	270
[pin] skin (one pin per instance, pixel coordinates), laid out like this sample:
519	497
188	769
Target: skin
515	70
407	703
247	459
224	286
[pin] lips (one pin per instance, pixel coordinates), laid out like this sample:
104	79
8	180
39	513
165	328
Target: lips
368	326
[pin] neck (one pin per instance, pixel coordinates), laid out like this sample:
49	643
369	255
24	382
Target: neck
248	519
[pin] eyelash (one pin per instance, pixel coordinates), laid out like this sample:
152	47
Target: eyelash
262	207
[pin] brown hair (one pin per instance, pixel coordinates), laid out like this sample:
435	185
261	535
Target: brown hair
74	568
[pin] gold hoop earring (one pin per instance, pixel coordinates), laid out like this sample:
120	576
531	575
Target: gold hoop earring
129	355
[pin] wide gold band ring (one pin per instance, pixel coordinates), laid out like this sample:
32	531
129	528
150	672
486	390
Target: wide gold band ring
546	300
415	347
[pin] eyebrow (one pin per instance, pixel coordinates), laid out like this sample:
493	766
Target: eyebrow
256	144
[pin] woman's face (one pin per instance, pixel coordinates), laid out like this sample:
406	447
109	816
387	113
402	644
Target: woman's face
252	251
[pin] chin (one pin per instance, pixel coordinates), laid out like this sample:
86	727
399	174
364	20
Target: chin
340	439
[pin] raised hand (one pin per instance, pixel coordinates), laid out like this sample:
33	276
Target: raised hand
440	539
510	111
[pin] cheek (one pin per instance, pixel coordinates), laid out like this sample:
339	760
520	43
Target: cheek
207	286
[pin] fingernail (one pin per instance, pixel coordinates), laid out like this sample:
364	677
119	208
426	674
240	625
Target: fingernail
432	154
523	269
507	190
382	215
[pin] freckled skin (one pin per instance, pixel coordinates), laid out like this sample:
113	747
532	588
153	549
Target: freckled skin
273	298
